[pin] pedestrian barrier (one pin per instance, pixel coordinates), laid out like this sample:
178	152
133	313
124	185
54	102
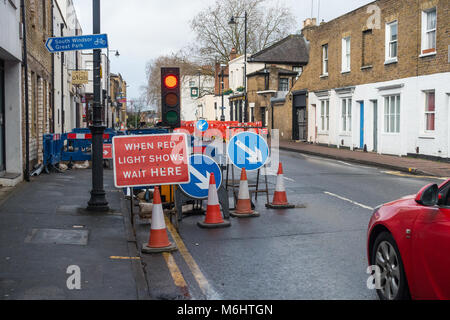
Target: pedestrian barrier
213	219
71	147
78	146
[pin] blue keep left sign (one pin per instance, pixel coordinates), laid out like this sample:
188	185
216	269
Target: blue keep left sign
248	150
202	125
200	168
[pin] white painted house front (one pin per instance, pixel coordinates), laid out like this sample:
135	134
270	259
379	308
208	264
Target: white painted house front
400	117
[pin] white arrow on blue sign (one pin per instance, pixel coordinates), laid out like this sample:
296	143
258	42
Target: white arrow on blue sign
248	150
88	42
201	167
202	125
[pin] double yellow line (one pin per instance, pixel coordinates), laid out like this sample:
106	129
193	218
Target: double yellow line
177	276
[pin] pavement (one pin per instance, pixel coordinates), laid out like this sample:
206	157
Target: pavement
46	237
404	164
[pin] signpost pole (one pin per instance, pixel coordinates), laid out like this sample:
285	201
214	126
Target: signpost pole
98	202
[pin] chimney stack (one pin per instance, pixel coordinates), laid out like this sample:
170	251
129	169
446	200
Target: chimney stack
309	22
233	54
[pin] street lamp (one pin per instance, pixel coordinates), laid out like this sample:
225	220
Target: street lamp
222	117
108	95
233	22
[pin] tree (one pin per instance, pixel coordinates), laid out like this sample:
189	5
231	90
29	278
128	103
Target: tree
216	38
187	68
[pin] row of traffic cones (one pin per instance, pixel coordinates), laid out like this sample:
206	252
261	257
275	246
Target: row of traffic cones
159	241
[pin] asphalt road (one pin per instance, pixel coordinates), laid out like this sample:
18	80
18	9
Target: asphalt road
317	252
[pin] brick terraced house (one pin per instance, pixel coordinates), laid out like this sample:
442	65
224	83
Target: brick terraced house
378	79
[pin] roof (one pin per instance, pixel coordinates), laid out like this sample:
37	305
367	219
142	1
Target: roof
291	50
281	71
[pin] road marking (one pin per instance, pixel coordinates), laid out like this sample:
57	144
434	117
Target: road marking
204	285
124	258
175	272
348	200
400	174
289	179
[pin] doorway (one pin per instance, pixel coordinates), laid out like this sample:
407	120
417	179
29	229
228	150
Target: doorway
375	125
361	125
299	117
2	117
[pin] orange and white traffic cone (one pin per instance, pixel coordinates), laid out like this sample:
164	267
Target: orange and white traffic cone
280	197
159	240
213	219
244	204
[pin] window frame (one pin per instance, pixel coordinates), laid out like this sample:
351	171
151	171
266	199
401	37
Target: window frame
286	83
427	112
388	45
325	59
387	114
425	50
324	115
346	54
346	117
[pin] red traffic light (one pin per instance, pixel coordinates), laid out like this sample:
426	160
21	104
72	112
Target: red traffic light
171	81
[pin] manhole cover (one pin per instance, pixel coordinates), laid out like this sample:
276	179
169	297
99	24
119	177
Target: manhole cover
56	236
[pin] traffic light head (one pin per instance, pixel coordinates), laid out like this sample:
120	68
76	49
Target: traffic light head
170	97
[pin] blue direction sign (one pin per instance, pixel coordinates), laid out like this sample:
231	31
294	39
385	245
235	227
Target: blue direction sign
201	167
89	42
202	125
248	150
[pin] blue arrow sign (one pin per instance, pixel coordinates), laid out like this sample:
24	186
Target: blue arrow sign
89	42
201	167
202	125
248	150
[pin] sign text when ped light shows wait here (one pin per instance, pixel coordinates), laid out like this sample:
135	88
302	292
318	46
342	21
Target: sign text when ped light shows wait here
151	160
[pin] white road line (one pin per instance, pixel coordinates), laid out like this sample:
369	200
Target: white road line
348	200
289	179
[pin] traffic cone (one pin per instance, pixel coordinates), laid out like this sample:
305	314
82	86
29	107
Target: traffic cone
213	219
159	240
244	204
280	197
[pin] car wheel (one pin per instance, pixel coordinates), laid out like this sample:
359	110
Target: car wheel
386	256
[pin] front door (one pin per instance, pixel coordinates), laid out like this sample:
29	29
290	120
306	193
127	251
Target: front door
2	117
299	117
375	125
361	126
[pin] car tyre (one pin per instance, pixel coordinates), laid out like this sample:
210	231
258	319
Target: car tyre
386	256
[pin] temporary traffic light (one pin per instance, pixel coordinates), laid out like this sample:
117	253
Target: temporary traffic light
170	97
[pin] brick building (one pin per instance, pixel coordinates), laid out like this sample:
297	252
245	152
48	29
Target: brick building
38	15
268	86
377	79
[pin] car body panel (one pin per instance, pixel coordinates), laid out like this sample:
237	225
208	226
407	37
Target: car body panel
422	235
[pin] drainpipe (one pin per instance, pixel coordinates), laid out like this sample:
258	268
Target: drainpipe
25	66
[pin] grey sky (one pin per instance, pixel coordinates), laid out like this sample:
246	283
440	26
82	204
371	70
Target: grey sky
140	29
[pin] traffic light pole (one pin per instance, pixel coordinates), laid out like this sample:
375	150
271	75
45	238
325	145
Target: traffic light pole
98	202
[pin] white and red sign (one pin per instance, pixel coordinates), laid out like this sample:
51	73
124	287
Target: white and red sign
150	160
107	151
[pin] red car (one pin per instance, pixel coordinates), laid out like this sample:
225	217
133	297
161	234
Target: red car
408	245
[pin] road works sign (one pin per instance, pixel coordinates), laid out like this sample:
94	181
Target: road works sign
150	160
89	42
248	150
201	167
107	151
